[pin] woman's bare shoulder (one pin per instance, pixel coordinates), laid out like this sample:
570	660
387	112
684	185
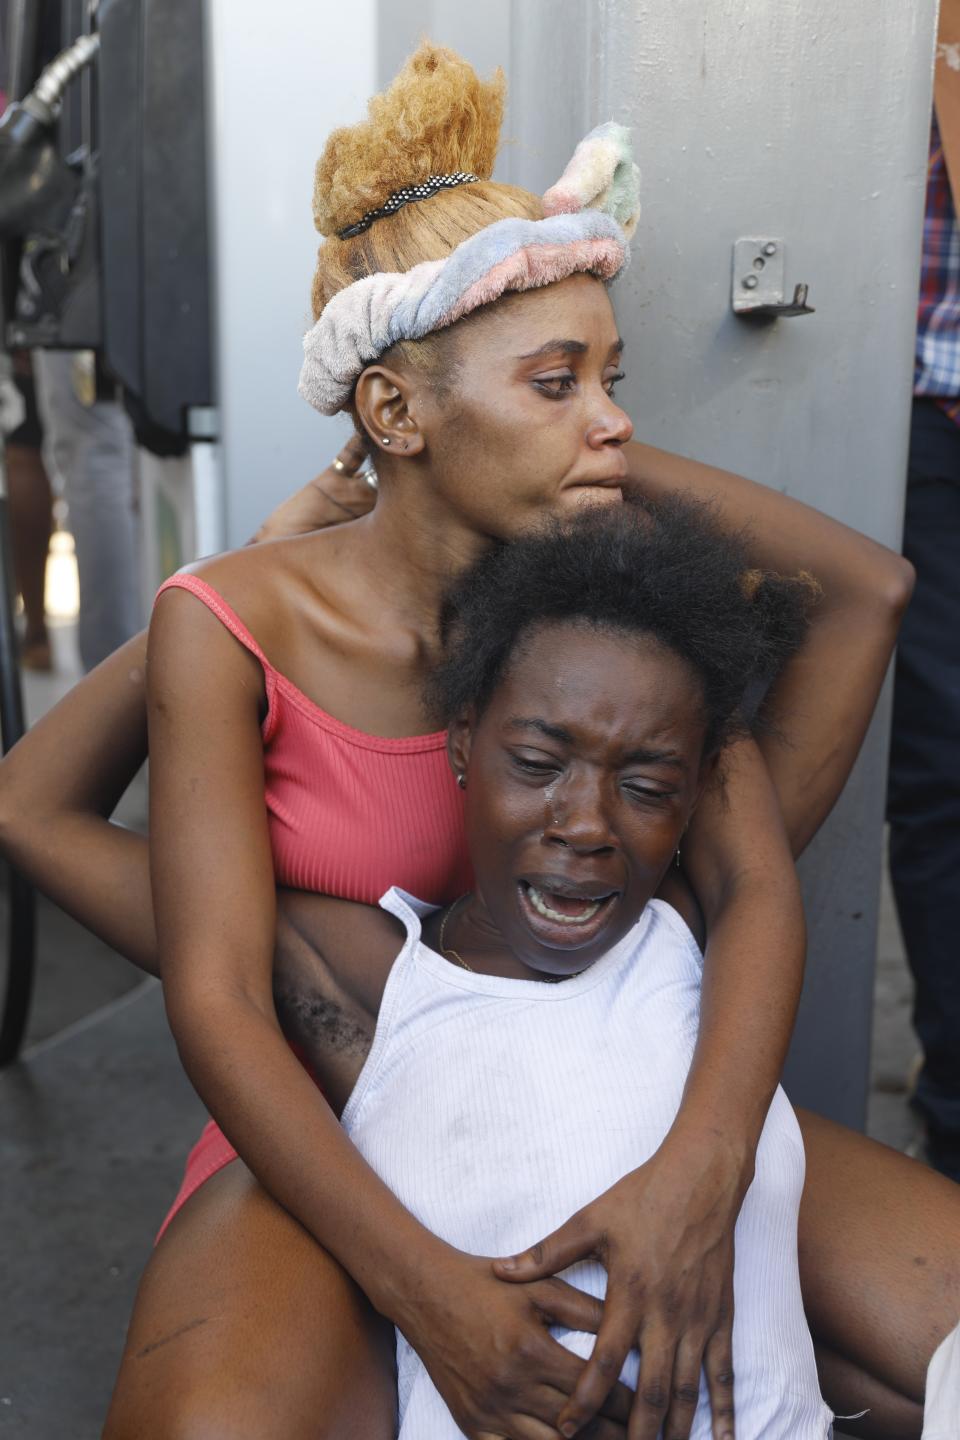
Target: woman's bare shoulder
271	584
261	575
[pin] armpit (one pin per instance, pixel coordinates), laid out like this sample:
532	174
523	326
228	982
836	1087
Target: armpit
317	1023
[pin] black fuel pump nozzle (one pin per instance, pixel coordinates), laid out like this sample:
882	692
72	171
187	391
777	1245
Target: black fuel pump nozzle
47	214
37	187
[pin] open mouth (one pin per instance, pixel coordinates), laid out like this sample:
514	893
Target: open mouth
567	915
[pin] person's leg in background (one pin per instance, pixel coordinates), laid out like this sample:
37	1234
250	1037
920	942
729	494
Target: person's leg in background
91	447
31	522
30	505
924	794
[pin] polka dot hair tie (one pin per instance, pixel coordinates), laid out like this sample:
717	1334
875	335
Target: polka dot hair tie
407	196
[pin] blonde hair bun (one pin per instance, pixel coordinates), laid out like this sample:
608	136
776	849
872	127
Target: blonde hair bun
436	118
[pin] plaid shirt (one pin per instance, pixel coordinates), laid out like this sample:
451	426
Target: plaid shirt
937	372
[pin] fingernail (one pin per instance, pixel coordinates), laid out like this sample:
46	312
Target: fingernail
508	1263
568	1428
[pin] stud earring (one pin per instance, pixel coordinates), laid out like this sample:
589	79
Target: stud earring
385	440
462	780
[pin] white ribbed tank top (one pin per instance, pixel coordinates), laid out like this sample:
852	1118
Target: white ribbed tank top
495	1108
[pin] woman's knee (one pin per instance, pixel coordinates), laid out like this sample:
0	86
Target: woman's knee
879	1250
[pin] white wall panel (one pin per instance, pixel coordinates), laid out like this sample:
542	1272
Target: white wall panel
281	78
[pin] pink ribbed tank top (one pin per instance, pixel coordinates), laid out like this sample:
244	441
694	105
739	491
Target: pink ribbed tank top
349	815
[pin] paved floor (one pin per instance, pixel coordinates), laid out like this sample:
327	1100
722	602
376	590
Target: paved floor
95	1121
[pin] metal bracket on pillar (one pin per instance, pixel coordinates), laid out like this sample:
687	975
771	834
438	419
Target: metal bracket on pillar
757	290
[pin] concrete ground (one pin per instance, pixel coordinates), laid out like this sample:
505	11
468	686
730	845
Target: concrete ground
95	1121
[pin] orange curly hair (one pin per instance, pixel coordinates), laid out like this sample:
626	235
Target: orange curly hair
436	117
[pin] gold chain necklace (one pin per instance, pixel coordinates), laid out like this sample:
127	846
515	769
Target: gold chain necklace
443	933
446	950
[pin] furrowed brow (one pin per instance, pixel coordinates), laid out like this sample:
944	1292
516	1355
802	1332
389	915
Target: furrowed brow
644	756
552	732
555	347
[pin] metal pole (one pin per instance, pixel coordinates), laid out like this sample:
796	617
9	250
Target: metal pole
21	915
21	920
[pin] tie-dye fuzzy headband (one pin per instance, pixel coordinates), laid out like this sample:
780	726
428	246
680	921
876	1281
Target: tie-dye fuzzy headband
590	214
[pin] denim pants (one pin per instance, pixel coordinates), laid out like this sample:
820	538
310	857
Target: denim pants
924	791
90	449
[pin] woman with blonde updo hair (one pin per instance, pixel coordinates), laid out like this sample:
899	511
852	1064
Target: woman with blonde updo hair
467	327
440	118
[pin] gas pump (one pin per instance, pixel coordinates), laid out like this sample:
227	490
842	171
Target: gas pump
39	196
103	247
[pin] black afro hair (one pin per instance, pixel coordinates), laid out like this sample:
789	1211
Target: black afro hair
665	569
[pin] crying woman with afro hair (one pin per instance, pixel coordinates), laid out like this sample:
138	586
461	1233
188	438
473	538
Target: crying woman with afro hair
533	1038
